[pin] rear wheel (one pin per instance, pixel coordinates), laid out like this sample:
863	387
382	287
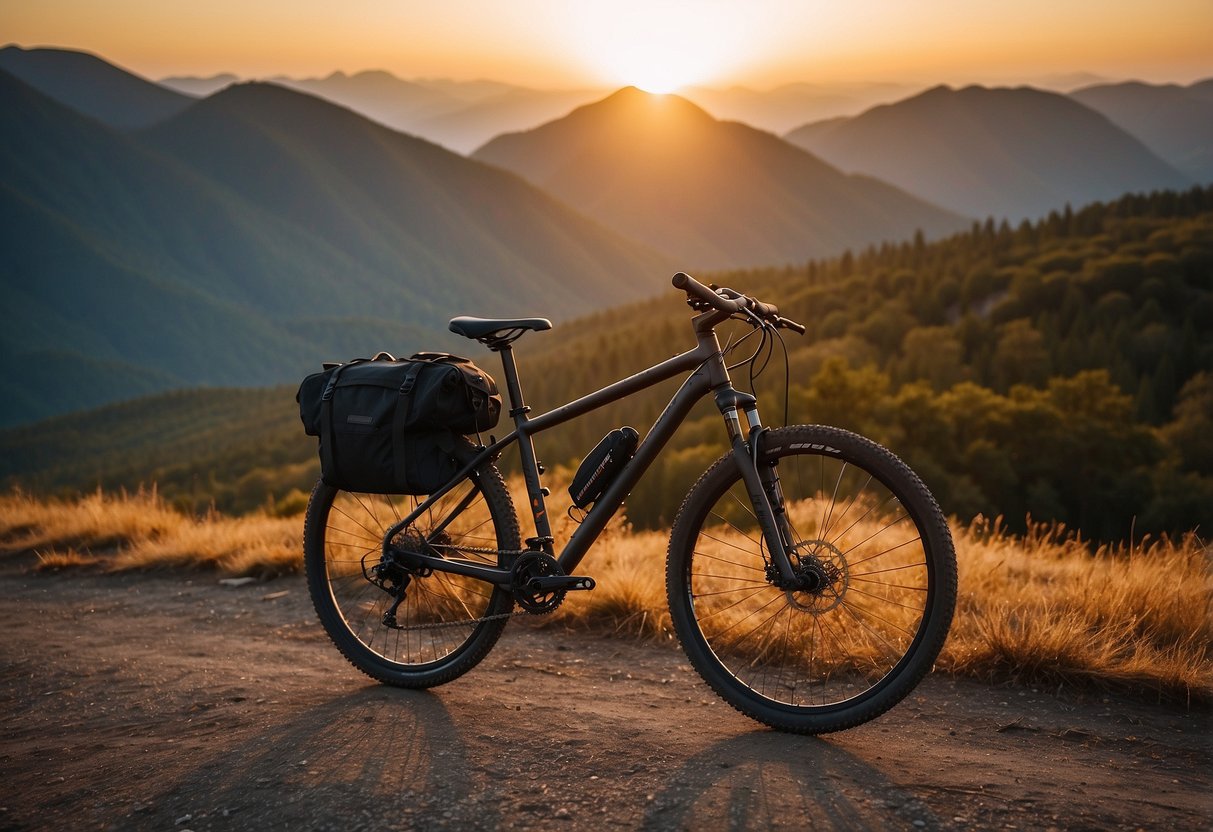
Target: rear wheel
441	631
868	611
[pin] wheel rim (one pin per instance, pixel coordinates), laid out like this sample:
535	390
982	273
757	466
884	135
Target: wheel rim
861	606
439	614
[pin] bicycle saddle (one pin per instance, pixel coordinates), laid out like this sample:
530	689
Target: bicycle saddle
480	328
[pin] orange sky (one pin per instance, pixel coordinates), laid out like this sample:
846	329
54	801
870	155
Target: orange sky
564	43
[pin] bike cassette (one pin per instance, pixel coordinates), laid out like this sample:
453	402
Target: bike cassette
539	584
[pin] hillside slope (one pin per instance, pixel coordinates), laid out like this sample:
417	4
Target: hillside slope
108	256
1174	121
1011	153
259	233
711	193
92	86
425	226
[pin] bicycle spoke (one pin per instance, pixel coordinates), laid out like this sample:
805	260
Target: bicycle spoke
815	650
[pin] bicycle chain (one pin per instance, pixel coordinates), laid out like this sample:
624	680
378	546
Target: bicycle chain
480	550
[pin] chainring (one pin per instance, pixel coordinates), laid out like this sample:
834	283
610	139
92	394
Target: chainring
531	564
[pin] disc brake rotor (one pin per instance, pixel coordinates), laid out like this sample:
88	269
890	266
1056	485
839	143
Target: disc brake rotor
823	569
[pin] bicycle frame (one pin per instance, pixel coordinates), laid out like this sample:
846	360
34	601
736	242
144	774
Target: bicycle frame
708	374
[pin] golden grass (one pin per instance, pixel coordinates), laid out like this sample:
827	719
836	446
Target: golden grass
141	531
1042	609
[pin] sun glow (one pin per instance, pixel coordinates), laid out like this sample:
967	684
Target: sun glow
660	46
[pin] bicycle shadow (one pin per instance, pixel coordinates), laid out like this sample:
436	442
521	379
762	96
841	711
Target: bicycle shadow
376	758
767	780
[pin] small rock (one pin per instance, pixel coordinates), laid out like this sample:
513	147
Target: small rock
236	581
920	823
182	819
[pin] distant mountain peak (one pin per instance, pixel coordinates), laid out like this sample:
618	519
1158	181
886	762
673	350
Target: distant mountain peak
361	75
633	101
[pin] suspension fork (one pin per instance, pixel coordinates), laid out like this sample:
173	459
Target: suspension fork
761	481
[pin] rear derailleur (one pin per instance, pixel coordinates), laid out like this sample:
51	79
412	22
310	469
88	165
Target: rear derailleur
391	577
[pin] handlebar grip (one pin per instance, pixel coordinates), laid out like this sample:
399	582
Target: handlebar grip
799	329
764	310
691	286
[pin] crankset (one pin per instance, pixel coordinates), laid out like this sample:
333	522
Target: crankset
539	584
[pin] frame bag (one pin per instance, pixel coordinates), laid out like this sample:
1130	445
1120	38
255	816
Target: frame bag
601	465
396	426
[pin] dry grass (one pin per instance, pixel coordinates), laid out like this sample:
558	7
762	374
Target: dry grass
141	531
1046	610
1043	610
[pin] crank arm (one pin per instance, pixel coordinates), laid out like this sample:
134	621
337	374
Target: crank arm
549	583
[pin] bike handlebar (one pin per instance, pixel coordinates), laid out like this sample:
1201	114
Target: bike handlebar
691	286
766	311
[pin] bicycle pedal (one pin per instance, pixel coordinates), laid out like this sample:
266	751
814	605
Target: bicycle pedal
548	583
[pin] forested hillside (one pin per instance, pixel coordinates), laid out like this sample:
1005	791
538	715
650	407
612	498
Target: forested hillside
1062	369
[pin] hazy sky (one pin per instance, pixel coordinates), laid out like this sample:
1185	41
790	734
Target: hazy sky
652	43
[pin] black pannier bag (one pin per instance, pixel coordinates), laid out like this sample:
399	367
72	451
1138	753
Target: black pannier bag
395	426
601	465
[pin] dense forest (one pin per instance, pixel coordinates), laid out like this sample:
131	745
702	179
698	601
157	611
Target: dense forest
1061	370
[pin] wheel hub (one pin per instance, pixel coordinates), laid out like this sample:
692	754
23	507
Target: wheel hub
821	576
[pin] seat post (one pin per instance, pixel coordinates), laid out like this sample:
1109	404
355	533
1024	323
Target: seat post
512	385
531	468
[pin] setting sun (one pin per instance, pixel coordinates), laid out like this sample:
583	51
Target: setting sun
659	47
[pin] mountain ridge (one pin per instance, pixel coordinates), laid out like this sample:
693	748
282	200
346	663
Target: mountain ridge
1012	152
93	86
1174	121
711	193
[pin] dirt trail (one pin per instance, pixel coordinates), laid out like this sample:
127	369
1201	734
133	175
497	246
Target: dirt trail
174	703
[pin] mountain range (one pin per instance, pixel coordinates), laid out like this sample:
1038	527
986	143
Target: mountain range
459	115
713	194
154	239
463	115
1000	152
255	234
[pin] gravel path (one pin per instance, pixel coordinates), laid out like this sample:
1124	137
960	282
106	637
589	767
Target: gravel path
175	703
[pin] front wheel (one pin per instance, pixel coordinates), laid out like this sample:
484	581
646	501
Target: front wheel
874	593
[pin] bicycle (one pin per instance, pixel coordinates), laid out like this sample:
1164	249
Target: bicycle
810	576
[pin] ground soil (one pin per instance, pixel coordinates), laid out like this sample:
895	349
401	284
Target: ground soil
171	702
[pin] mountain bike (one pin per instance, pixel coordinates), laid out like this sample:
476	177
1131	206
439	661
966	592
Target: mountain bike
811	577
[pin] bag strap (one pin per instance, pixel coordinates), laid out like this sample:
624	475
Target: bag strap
328	437
400	420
